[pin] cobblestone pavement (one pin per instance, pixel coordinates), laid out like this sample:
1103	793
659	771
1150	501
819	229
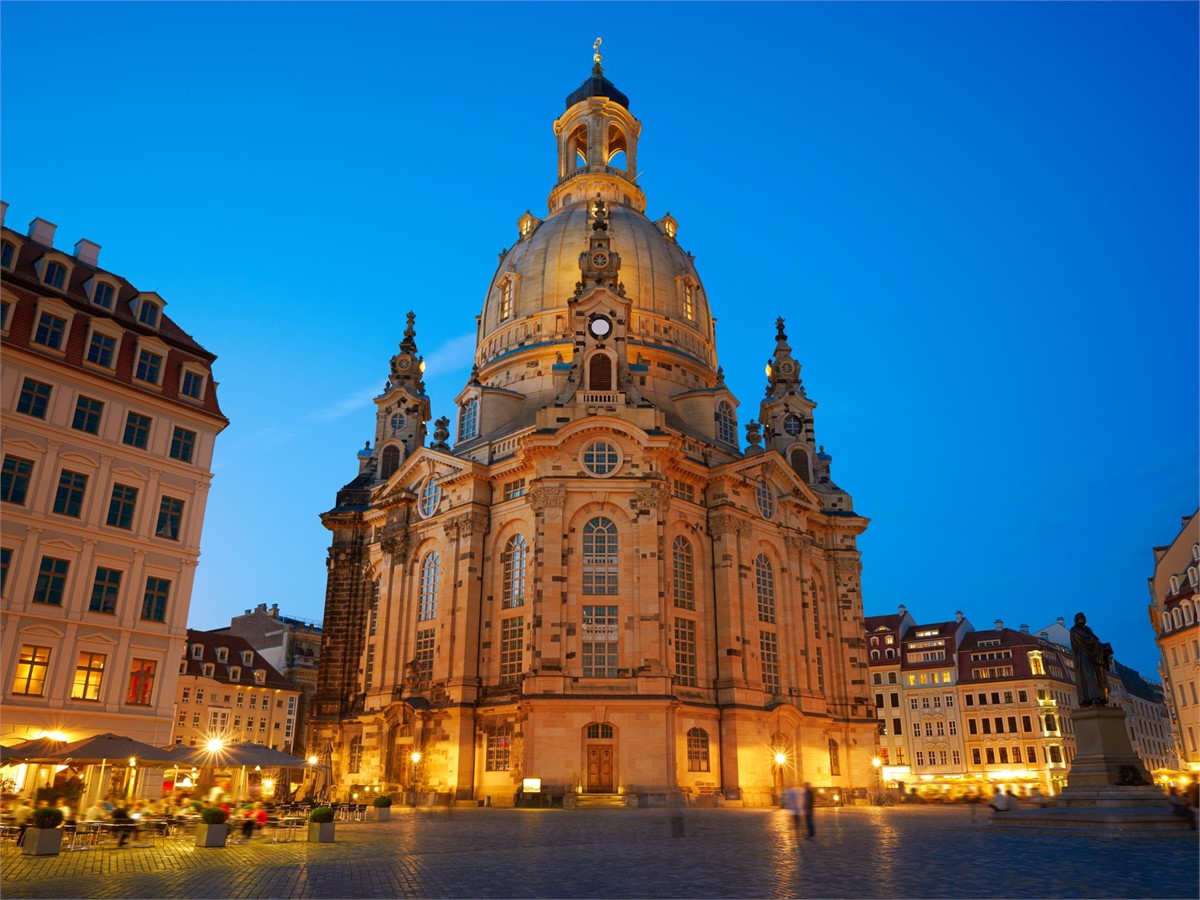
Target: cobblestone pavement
858	852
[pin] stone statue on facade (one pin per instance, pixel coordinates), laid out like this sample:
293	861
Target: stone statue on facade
1093	659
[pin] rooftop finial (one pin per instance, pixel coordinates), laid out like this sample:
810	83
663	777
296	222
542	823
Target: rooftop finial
597	68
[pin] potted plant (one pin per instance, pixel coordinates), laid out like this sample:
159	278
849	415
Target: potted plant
320	825
212	828
383	808
43	837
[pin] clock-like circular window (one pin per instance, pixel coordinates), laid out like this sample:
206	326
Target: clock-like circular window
431	496
601	458
792	424
398	421
766	500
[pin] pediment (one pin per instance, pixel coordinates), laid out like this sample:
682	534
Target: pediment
75	456
42	630
59	544
96	637
20	443
779	475
129	473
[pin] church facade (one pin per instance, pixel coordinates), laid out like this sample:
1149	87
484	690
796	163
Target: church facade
592	590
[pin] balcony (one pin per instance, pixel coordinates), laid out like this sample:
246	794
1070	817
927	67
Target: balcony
602	398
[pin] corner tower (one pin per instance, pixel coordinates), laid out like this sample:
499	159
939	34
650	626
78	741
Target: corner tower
590	582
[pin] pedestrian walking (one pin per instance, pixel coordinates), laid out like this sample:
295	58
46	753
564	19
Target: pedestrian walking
791	802
806	807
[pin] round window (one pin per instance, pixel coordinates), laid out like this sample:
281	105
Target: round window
793	425
601	458
398	421
431	496
766	500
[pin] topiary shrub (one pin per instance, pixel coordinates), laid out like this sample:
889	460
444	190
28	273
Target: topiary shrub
321	815
382	801
214	815
196	805
47	817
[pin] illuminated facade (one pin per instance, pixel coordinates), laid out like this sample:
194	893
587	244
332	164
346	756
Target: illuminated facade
594	585
110	417
1173	615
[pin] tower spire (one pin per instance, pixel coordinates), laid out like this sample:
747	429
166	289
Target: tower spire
597	69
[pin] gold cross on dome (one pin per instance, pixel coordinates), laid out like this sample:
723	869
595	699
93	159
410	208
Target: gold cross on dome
596	47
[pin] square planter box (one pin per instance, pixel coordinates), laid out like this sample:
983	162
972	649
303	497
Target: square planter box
320	832
42	841
211	835
379	813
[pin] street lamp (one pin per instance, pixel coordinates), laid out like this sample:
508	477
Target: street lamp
878	764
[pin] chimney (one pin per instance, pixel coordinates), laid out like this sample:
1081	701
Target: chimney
958	616
42	232
87	252
3	211
1024	629
999	624
902	609
1060	621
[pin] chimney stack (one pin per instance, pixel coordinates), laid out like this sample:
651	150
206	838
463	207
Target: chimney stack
3	211
902	609
958	616
1060	621
1024	629
42	232
999	624
87	252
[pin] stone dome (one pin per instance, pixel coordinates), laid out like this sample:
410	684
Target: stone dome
538	276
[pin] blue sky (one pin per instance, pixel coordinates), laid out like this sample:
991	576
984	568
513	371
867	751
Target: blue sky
980	221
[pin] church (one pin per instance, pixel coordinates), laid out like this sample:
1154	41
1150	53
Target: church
590	592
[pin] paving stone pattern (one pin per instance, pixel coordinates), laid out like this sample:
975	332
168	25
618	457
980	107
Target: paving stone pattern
858	852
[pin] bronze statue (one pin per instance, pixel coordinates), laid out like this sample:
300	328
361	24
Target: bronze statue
1093	659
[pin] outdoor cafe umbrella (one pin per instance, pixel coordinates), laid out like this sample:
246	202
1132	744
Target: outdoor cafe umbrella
34	750
245	754
100	748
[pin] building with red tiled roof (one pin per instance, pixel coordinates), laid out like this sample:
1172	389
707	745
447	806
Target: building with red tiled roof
110	420
228	690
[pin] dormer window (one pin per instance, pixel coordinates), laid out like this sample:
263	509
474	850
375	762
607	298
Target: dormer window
209	670
197	651
260	676
247	657
148	314
506	300
8	254
235	673
55	275
222	654
102	294
147	309
50	331
689	308
468	419
192	384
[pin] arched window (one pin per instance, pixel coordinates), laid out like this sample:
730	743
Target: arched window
577	145
1188	615
1177	617
468	419
800	464
683	567
514	573
765	498
390	462
600	557
889	653
600	731
506	298
431	496
600	373
764	587
874	654
697	750
354	756
617	147
835	760
726	424
430	568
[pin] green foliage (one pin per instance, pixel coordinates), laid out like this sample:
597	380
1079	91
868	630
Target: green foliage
70	790
196	805
47	817
214	815
382	801
321	815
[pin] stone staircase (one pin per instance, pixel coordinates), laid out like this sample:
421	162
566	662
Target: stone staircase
600	801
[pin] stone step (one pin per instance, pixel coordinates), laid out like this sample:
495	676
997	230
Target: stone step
1097	818
599	801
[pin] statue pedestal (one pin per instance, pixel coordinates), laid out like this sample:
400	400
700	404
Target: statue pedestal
1105	770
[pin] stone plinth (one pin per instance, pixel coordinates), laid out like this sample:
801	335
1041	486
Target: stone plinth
1104	758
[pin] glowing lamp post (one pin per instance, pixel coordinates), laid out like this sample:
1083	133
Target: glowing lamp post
878	764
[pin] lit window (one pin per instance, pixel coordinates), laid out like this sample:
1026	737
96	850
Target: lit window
683	573
697	750
498	756
68	498
14	481
149	366
89	672
141	682
430	568
101	350
600	551
506	299
32	665
56	274
182	444
105	589
601	458
726	424
50	331
137	430
513	558
34	399
170	518
468	419
154	601
431	496
121	506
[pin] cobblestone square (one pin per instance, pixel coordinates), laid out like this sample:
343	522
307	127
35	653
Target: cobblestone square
858	852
